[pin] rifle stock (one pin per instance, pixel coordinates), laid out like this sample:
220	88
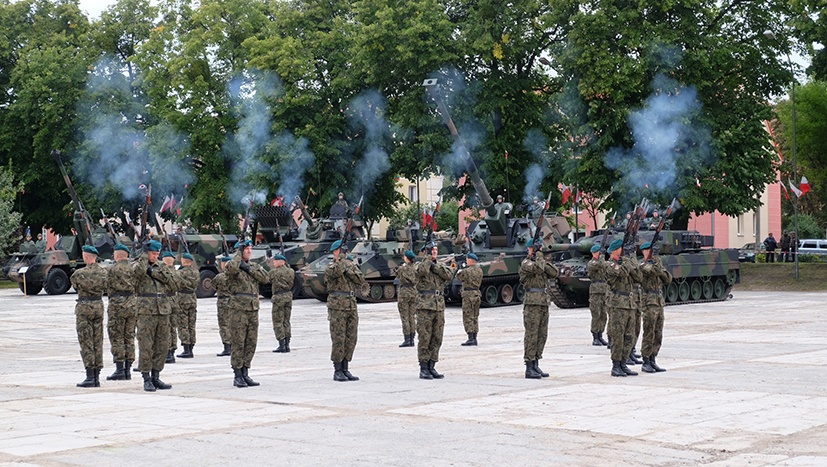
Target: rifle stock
109	226
540	219
223	240
673	206
603	245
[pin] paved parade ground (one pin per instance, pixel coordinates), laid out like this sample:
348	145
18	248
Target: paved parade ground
745	385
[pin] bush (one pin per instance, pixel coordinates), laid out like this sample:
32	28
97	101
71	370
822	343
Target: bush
807	226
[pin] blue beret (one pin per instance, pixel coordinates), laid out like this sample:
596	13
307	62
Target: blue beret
167	254
529	243
350	257
281	257
595	248
187	256
410	254
154	245
122	247
90	249
615	244
242	244
336	245
473	256
224	259
646	246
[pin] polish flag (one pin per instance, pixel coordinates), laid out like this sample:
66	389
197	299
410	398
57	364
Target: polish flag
797	192
566	193
785	190
805	186
169	203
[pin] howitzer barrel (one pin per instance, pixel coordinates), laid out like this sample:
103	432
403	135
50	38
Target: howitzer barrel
305	213
582	247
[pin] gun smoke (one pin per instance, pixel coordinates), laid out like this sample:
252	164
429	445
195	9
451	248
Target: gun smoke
366	113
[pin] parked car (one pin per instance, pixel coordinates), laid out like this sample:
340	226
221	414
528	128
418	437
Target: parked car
812	246
746	254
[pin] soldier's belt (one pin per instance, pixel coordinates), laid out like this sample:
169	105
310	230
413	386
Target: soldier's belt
404	286
352	294
119	295
153	295
622	294
536	289
225	297
186	291
244	294
652	292
470	289
430	292
598	282
279	292
88	299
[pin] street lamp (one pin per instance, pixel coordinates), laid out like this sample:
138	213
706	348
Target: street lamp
771	35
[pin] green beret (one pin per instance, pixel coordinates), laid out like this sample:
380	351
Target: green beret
410	254
646	246
167	254
187	256
473	256
615	244
122	247
530	243
224	259
336	245
242	244
595	248
350	257
154	245
281	257
90	249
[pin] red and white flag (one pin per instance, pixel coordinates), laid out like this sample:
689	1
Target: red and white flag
785	190
805	186
566	190
797	192
169	203
427	217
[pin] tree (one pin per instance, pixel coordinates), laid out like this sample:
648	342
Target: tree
9	219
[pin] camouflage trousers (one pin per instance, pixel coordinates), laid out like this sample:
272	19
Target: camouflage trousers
652	330
281	319
535	322
631	342
621	330
89	325
224	320
153	342
430	326
173	325
121	327
407	313
597	305
187	318
344	331
244	332
471	311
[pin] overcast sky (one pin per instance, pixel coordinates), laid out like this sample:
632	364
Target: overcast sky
94	7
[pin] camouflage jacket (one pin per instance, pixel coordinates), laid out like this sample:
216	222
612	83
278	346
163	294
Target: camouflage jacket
219	282
407	281
534	276
243	286
281	283
597	275
431	278
622	278
89	281
654	277
341	278
119	280
152	294
188	279
471	278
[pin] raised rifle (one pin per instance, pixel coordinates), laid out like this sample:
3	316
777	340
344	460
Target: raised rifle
223	240
349	225
81	217
147	206
246	223
281	239
109	226
673	206
538	227
603	245
160	226
432	223
184	241
630	236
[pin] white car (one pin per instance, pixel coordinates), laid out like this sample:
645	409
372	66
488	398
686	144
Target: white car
810	246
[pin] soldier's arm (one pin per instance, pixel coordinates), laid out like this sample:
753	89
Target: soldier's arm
423	269
634	270
551	270
165	275
232	269
336	270
663	274
444	272
461	274
259	274
354	274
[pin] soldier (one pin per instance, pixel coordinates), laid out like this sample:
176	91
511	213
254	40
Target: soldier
499	202
535	272
598	295
621	276
223	292
90	283
153	305
28	246
121	313
654	278
282	277
340	208
172	289
244	279
536	208
406	298
633	357
340	278
431	278
188	280
471	278
40	245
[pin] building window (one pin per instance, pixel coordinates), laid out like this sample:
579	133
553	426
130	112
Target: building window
412	194
740	225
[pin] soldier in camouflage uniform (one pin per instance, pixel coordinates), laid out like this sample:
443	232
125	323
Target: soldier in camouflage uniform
654	278
406	298
172	290
431	278
633	357
90	283
598	295
282	277
244	279
341	278
153	305
621	276
535	273
222	290
188	280
121	313
471	278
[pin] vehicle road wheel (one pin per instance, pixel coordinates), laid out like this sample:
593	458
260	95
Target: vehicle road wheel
683	291
205	288
389	292
506	293
672	292
718	289
695	289
707	290
519	293
32	288
491	295
57	282
376	292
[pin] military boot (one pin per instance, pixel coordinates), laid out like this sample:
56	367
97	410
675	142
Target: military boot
654	364
338	375
431	365
148	386
287	345
282	346
537	368
127	365
530	372
247	379
600	338
226	352
347	374
424	372
97	377
635	354
119	374
156	381
647	366
187	353
471	340
170	356
626	369
238	378
595	340
616	370
634	359
407	342
89	382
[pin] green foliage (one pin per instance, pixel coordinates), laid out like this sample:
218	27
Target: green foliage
808	226
9	219
448	217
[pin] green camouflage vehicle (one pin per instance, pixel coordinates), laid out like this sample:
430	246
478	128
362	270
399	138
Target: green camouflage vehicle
700	273
205	248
